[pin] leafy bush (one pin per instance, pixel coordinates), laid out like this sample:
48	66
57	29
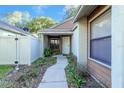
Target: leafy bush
73	77
47	52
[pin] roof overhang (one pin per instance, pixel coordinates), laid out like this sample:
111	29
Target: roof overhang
84	11
56	32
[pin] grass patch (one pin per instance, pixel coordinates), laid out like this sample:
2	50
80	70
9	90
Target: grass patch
4	69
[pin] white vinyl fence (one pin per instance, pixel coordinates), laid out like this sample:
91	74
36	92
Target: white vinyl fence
25	50
35	48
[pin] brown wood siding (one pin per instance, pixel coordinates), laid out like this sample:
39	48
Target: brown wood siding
100	72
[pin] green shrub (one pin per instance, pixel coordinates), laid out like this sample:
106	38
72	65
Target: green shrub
73	77
47	52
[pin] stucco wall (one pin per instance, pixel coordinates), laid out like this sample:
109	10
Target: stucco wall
117	46
79	43
75	40
83	43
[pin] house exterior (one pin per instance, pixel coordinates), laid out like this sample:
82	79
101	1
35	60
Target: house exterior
17	45
95	36
58	37
97	42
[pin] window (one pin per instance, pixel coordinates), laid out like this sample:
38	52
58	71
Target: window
100	38
54	44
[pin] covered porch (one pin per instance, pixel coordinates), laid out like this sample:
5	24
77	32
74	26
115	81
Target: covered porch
58	40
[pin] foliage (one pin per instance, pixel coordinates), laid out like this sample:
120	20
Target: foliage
4	69
6	84
27	79
16	17
73	77
29	76
40	23
24	20
47	52
71	12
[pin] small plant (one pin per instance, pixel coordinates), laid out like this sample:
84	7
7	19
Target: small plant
47	52
73	77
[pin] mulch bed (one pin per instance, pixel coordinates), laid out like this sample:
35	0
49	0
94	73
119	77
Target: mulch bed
90	82
77	78
16	76
35	81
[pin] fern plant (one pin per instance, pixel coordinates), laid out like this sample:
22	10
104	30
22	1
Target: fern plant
47	52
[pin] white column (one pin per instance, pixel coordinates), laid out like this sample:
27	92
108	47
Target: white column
117	46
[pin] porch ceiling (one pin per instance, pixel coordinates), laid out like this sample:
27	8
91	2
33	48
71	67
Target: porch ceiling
56	31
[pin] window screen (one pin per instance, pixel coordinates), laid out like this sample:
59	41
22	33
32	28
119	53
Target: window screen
100	40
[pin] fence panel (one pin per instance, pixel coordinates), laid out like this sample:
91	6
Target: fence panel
35	48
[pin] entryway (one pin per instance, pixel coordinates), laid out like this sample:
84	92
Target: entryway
60	44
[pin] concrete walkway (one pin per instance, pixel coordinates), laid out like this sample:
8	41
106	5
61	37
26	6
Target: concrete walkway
55	76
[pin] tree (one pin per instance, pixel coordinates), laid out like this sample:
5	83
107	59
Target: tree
24	20
39	23
16	17
70	12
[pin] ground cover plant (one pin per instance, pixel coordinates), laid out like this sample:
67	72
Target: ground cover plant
78	79
28	76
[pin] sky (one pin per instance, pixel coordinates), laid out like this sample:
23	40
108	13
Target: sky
56	12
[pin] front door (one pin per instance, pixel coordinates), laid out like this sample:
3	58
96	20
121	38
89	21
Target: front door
65	45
